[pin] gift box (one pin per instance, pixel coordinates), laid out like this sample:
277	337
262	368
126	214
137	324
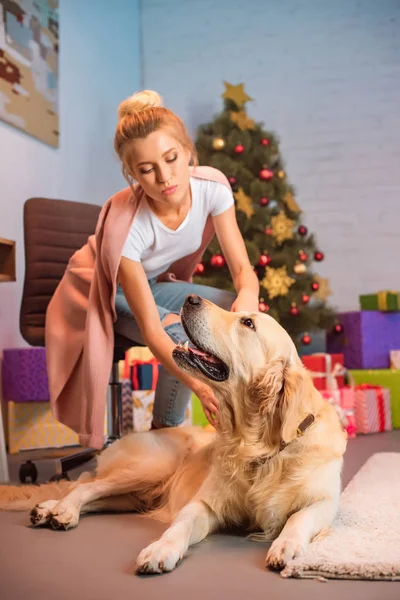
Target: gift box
31	425
343	399
137	409
24	375
367	338
385	378
384	301
372	409
198	416
327	370
144	374
394	357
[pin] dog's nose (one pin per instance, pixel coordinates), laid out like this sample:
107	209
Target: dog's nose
194	300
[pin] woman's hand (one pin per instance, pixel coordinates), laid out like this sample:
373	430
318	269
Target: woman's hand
208	402
246	300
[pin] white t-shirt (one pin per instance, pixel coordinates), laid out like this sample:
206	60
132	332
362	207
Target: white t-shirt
156	246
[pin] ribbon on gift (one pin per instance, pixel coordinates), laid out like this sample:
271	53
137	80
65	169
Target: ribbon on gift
383	299
330	374
154	376
381	402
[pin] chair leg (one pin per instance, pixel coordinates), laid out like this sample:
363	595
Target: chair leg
73	461
116	404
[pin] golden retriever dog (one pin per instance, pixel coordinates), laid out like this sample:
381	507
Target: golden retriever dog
274	465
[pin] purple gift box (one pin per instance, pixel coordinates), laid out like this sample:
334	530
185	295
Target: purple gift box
24	375
367	338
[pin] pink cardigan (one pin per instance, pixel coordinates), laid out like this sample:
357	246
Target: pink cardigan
79	321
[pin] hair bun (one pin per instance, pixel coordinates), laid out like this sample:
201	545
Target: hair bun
138	102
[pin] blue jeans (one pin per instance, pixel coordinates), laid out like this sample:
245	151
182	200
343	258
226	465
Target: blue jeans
171	397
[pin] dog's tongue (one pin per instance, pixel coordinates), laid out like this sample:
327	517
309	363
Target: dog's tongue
195	350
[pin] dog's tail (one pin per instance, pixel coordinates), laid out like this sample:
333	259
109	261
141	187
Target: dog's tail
25	497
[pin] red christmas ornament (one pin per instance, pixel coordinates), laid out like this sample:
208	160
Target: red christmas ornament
315	286
294	311
262	307
306	339
305	298
265	174
263	201
303	256
217	260
264	260
239	148
264	142
338	329
302	230
319	255
199	268
268	231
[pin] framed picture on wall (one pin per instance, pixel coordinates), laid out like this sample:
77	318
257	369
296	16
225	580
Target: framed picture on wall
29	67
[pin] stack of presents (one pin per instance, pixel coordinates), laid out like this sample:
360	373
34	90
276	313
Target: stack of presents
358	371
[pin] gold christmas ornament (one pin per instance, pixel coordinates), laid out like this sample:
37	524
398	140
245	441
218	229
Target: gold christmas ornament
244	203
282	227
300	268
236	93
218	143
281	174
324	290
242	120
291	203
277	282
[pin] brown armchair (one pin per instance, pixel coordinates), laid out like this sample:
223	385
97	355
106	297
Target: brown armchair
53	231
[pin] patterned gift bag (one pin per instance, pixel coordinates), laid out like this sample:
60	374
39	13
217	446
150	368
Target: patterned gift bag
137	409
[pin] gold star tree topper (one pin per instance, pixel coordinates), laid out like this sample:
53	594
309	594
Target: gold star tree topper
277	282
244	203
236	93
282	227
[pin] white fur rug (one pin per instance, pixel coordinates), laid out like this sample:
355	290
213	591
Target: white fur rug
364	542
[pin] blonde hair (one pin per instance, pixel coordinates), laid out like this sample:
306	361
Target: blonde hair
142	114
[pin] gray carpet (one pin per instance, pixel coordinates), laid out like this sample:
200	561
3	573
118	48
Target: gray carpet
95	561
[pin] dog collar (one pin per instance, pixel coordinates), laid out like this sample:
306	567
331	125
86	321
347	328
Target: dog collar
304	425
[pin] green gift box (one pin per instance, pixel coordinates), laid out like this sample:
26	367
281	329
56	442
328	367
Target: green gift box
198	416
386	378
385	301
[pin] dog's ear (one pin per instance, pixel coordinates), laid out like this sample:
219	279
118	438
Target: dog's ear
281	394
295	396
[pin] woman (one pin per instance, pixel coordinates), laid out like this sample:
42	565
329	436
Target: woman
147	245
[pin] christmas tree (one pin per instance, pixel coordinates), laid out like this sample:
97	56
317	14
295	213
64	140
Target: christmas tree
278	243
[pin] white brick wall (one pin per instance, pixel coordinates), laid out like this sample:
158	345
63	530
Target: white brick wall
326	78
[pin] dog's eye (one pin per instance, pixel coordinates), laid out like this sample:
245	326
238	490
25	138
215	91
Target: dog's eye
248	323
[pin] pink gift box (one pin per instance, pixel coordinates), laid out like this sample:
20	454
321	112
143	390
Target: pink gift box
343	399
372	409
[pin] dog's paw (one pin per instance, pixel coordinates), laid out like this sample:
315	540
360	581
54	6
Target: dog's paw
282	551
41	514
64	517
159	557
